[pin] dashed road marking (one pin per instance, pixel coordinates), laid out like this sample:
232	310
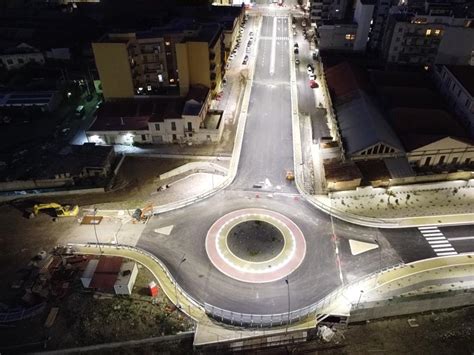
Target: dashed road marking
437	241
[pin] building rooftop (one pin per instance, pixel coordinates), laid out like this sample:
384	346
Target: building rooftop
419	127
341	171
373	170
465	75
360	119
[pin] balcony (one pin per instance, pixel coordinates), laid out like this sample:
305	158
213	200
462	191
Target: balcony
213	76
212	56
212	67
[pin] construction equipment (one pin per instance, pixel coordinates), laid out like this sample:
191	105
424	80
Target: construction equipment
143	214
60	210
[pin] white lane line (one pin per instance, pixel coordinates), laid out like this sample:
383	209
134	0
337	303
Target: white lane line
443	249
447	253
439	242
435	238
423	228
432	234
460	238
272	55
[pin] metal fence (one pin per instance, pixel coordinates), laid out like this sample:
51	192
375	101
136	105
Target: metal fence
21	313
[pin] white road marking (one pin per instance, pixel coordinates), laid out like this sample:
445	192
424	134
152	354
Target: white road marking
460	238
445	245
437	241
272	55
443	249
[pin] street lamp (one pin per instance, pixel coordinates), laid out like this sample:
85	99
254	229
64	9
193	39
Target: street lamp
183	259
288	287
94	222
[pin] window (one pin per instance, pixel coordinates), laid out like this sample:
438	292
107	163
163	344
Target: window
190	126
395	48
143	137
400	29
455	160
427	161
459	92
453	87
467	161
441	159
397	39
157	126
466	103
350	37
174	137
437	32
173	126
20	61
10	61
428	32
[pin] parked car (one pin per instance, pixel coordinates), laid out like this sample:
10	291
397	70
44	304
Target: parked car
313	84
297	61
295	45
296	51
80	110
246	59
312	76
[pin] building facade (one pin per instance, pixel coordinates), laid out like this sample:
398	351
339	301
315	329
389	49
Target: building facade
19	56
421	39
185	120
456	83
146	63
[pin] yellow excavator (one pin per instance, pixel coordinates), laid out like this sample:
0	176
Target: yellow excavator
60	210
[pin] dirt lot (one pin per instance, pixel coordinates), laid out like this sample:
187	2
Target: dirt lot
86	318
131	188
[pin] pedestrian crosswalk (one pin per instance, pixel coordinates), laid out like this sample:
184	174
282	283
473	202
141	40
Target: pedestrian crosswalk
438	242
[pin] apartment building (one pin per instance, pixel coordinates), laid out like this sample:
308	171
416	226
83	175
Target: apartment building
348	35
379	22
427	37
323	10
160	60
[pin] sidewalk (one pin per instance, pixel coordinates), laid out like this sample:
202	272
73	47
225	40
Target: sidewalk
445	203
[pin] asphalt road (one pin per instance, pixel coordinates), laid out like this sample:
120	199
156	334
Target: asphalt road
266	154
268	151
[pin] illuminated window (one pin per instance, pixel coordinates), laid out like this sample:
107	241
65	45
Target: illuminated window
350	37
428	32
437	32
167	43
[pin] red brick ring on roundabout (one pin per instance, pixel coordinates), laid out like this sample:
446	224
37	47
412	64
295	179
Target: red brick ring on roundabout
255	245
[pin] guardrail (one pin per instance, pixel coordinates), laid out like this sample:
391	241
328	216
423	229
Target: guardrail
324	306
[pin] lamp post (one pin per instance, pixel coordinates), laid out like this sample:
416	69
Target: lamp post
95	230
183	259
288	287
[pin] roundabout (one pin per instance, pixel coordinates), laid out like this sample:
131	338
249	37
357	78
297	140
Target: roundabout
255	245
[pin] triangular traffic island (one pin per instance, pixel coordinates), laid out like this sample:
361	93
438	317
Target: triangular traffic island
164	230
358	247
